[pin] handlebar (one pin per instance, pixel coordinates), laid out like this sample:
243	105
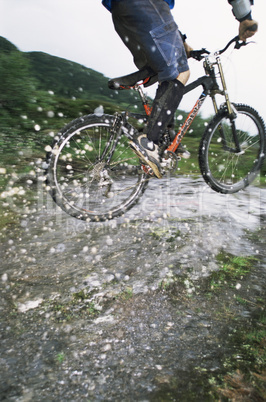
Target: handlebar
200	54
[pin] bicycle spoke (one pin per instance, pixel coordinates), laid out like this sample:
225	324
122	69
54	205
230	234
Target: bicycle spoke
225	169
96	175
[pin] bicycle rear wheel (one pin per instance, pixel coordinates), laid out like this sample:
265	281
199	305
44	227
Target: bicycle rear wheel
225	168
92	173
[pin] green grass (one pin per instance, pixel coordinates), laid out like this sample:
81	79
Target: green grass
231	268
60	357
125	294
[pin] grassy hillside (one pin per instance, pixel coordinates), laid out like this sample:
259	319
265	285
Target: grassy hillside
48	91
40	93
72	80
36	85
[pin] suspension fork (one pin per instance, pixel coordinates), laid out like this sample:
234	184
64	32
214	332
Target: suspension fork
225	91
116	132
231	112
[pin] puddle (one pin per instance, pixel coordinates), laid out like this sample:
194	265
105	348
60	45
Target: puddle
85	310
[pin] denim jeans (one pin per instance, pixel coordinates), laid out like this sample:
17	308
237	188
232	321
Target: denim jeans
149	31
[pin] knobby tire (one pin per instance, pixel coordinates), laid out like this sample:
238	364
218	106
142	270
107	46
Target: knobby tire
223	168
92	173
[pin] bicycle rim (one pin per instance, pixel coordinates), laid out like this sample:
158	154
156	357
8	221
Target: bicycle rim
95	175
223	168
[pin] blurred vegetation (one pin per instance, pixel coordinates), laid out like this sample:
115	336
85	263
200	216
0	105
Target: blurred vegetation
40	93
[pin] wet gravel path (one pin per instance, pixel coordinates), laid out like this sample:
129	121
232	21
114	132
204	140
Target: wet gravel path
126	310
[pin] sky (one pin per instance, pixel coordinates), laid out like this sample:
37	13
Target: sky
82	31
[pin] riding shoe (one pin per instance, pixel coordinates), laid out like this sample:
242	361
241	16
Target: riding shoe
148	152
183	152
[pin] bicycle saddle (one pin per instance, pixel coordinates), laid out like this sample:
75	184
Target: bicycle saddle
146	74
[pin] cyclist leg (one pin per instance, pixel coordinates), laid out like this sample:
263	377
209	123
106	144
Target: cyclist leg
149	31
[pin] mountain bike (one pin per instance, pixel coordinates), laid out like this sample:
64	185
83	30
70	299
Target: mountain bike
94	175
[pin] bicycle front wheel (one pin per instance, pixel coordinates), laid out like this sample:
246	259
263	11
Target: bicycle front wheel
232	152
92	173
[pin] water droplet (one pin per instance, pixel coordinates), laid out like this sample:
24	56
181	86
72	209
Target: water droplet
50	113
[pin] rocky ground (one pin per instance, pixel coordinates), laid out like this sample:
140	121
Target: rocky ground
163	304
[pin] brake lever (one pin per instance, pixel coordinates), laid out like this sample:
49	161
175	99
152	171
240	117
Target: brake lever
198	54
239	44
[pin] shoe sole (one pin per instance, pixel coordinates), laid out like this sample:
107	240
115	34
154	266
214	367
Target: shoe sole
183	155
154	167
